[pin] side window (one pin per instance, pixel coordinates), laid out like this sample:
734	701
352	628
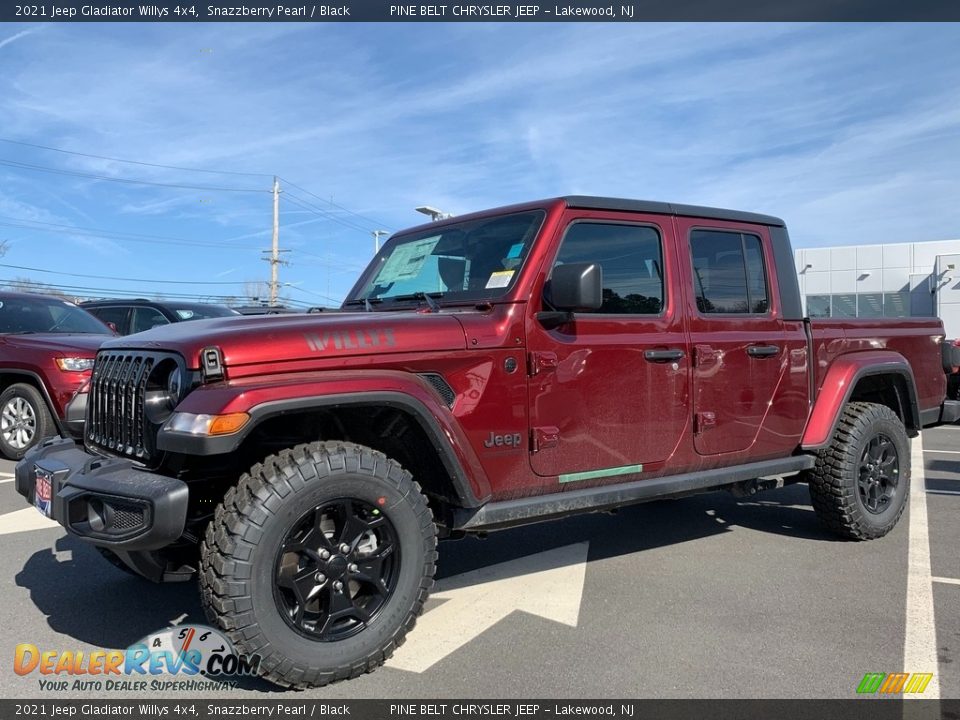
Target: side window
115	315
728	273
632	262
145	318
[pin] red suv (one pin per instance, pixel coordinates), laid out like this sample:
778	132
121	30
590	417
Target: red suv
47	348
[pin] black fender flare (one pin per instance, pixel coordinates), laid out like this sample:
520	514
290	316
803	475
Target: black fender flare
183	443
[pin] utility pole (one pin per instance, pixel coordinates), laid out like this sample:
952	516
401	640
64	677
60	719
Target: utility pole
275	250
376	238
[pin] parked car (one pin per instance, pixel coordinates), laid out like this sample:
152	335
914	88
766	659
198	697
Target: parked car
47	347
265	310
133	316
505	367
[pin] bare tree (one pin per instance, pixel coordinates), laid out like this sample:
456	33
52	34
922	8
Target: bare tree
25	284
256	291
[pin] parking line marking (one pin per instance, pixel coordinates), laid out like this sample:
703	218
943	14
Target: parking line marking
945	452
943	492
23	520
920	636
6	480
947	581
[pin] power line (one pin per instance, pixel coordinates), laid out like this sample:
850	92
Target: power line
128	181
131	162
179	168
114	234
331	202
307	205
112	277
311	292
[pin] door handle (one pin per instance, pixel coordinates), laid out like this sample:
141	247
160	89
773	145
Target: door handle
662	356
761	351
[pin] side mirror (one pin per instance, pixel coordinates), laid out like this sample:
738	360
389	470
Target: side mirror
572	287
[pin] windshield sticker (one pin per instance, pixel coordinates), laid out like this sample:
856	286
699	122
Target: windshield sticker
406	260
515	251
499	279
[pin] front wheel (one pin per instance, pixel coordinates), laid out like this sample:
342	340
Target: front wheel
319	561
861	481
24	420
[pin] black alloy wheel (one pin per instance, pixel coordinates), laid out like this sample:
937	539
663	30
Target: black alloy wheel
336	569
861	481
879	474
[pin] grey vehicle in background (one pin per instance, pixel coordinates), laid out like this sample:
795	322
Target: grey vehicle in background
133	316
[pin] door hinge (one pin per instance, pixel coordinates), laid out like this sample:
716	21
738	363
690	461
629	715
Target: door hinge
703	421
543	438
540	361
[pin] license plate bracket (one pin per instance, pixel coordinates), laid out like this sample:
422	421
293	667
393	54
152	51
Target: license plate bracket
43	491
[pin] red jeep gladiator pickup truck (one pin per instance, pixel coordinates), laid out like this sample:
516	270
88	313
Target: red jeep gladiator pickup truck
499	368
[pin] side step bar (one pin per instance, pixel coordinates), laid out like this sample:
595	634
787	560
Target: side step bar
505	513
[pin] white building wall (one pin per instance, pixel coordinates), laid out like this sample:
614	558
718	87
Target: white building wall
893	280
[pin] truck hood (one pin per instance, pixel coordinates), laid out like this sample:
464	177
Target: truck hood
279	338
83	345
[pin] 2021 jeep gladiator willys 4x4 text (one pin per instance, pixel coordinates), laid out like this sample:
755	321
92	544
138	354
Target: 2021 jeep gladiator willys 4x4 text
494	369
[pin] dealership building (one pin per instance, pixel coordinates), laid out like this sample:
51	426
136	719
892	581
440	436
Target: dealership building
917	279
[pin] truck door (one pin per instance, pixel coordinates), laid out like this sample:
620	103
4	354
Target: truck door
609	390
749	368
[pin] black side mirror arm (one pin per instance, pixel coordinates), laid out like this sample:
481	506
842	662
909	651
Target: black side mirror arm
551	319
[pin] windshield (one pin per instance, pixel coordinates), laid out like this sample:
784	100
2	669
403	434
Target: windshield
200	311
473	260
23	315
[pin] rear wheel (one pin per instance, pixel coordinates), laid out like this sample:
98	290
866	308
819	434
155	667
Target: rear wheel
319	561
861	482
24	420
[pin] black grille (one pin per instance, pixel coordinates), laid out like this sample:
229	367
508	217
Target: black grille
126	517
440	385
116	421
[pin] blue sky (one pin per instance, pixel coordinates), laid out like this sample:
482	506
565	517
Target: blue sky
849	132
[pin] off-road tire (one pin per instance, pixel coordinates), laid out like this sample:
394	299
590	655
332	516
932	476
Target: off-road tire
43	427
242	542
833	481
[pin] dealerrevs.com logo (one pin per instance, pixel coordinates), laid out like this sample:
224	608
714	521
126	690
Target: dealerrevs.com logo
184	651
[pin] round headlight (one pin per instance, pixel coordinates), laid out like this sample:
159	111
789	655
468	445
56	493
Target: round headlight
174	386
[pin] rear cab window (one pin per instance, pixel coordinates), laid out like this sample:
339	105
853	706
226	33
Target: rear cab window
729	273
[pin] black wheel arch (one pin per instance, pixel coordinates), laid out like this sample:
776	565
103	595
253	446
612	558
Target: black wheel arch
460	480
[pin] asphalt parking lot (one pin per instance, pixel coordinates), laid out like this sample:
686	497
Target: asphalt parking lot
701	597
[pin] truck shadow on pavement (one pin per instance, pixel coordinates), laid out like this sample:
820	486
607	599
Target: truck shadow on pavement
85	598
638	528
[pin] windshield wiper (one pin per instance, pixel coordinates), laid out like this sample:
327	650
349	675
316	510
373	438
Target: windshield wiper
367	303
428	298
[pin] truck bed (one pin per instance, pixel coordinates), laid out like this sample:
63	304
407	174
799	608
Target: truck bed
910	337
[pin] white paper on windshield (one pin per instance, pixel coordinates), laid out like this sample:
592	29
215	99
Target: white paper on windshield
406	260
499	279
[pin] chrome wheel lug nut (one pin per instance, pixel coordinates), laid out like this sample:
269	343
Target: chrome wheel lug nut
352	567
320	578
344	548
338	586
324	554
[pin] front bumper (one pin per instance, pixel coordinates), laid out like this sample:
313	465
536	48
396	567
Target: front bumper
106	501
